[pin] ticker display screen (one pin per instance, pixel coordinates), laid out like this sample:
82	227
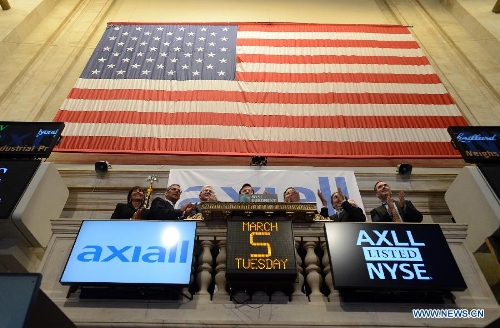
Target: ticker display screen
477	144
24	140
14	178
391	256
260	251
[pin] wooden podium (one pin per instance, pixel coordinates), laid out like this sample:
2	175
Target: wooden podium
260	249
223	211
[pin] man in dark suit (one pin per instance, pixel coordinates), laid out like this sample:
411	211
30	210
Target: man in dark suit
401	210
133	209
163	209
346	210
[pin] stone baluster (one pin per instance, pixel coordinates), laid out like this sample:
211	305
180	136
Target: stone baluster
220	277
204	276
313	276
327	270
298	294
186	292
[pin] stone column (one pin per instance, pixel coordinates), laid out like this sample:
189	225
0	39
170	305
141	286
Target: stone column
313	276
187	296
204	276
327	270
298	294
220	277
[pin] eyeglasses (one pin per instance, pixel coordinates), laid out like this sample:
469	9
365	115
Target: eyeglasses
175	189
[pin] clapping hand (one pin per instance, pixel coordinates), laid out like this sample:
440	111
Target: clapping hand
292	197
137	214
187	208
341	195
401	201
390	202
352	202
321	197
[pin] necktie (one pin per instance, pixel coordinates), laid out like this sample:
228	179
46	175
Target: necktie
395	214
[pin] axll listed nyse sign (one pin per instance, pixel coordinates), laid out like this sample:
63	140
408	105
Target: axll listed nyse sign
391	256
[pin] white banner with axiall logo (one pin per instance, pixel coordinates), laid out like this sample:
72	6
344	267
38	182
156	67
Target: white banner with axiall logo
227	183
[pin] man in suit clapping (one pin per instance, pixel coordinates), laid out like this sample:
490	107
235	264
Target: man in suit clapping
346	210
391	210
163	209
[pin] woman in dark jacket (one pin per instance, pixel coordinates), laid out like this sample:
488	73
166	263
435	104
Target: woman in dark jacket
134	208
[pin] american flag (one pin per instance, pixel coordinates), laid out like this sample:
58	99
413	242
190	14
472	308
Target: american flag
275	89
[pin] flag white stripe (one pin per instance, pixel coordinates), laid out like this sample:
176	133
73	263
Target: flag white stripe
329	51
323	36
334	68
256	133
259	109
249	87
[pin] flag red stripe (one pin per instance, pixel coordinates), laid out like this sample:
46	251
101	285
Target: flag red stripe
228	119
329	59
321	43
291	27
262	97
263	148
272	27
337	77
